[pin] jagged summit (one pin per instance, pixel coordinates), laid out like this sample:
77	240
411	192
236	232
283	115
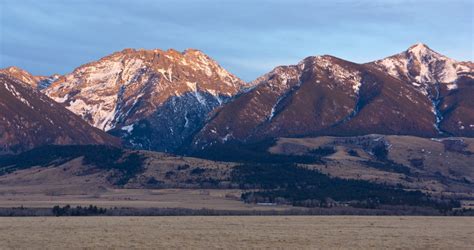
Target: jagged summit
421	52
421	65
158	50
419	46
167	93
37	82
13	69
192	51
22	75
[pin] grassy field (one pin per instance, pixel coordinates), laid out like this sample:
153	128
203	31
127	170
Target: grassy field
437	166
218	199
286	232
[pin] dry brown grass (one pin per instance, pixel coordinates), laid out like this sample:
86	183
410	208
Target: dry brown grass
76	184
443	171
217	199
285	232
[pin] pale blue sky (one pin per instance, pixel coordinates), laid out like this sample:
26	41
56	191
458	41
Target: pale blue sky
247	37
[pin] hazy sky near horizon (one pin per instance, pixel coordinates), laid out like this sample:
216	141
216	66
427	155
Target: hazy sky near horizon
247	37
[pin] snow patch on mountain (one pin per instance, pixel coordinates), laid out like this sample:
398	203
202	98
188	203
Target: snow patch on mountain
340	74
356	87
192	86
452	86
17	94
272	112
200	98
61	99
104	71
128	128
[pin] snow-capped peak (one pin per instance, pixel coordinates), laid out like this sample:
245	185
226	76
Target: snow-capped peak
422	66
166	92
428	71
22	75
420	48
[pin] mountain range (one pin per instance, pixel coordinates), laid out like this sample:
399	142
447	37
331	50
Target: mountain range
175	101
417	92
384	137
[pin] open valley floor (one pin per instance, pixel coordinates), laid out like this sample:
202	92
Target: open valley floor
212	232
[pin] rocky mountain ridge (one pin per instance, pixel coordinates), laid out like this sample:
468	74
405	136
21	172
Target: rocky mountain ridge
29	119
417	92
153	99
168	100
